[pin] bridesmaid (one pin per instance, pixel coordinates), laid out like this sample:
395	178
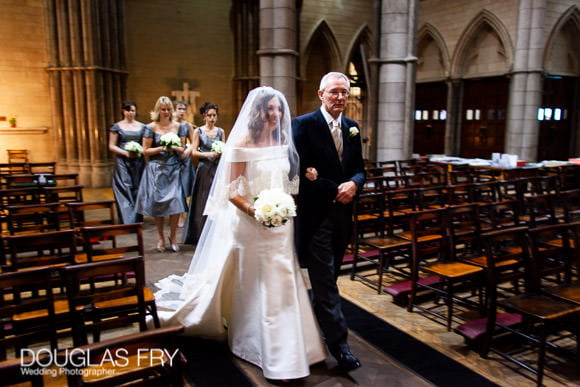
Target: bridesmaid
128	165
203	139
161	193
187	168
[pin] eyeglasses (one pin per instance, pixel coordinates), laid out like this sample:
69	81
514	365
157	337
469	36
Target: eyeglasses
336	93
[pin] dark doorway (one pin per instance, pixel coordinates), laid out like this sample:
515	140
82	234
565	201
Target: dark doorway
430	118
484	117
556	119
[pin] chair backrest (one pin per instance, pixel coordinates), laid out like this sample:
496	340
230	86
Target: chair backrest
34	218
540	209
499	215
17	155
571	202
463	229
46	167
24	292
553	254
161	345
507	258
368	214
117	240
53	248
63	194
429	234
105	290
94	213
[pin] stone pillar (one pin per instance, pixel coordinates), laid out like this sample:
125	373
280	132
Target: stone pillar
397	62
87	72
277	51
454	117
526	82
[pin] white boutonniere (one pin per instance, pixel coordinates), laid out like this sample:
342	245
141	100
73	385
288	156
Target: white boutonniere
353	131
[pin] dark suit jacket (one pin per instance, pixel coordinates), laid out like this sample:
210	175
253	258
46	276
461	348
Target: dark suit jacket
316	149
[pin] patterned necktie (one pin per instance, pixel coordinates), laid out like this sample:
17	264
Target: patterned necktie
337	137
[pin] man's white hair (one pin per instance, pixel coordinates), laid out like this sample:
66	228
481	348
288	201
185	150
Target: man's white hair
333	74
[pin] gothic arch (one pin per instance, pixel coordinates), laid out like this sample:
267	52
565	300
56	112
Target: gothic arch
432	53
561	51
484	34
321	55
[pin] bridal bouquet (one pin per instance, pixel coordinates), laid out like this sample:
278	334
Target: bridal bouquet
273	207
134	146
218	146
170	140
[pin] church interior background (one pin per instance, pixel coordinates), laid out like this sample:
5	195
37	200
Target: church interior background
461	78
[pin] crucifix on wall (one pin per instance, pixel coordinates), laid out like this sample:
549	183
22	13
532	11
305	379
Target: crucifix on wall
187	96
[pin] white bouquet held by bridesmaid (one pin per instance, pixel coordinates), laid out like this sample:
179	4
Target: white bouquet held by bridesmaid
273	207
218	146
170	140
134	146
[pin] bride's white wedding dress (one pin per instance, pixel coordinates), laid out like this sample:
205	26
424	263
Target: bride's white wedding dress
252	289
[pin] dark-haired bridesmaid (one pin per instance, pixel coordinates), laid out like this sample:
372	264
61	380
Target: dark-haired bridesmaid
128	164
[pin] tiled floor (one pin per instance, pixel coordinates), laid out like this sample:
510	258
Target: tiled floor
378	369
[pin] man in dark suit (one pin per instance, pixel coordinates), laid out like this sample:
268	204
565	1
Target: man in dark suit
331	172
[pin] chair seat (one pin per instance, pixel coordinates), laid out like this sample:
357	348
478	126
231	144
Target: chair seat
404	287
123	301
82	257
474	329
421	239
481	261
569	293
540	306
387	242
452	269
60	308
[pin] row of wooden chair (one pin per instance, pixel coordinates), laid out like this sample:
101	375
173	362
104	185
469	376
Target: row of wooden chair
52	294
44	217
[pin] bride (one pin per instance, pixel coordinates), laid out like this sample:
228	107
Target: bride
244	282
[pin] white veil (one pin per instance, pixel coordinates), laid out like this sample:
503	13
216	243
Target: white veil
248	140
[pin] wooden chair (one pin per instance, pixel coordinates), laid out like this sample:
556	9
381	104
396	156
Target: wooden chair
35	218
430	257
555	259
571	203
541	314
148	358
43	168
62	194
539	209
17	156
109	303
53	248
112	241
464	231
11	372
22	294
374	242
499	215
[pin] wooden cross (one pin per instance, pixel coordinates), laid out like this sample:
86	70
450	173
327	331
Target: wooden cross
187	96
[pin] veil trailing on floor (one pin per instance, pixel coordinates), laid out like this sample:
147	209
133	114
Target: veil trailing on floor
247	142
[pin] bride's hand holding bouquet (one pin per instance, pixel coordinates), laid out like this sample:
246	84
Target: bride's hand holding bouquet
274	207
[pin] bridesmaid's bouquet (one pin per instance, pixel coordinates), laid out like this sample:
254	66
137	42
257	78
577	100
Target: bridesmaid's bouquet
218	146
273	207
134	146
170	140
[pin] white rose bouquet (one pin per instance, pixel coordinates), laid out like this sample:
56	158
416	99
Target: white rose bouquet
273	207
134	146
170	140
218	146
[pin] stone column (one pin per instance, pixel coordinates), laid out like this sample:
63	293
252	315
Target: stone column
397	62
526	82
87	73
277	51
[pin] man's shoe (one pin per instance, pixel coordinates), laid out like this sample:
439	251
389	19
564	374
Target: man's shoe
346	360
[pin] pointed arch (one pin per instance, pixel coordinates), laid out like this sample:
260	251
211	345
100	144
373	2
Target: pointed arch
488	35
561	51
432	53
321	55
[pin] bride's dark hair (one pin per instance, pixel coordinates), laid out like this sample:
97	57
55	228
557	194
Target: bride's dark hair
258	116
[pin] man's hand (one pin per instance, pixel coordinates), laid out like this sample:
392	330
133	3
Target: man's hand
346	192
